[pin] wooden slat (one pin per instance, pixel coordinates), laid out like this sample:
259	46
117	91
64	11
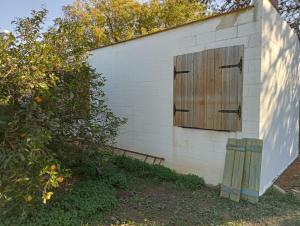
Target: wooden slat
228	170
237	174
177	92
255	167
219	60
240	87
210	89
200	89
225	90
233	91
187	90
246	173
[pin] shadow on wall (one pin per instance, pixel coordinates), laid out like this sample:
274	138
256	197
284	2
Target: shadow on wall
280	95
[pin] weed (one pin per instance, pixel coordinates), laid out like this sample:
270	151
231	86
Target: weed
190	181
140	168
72	208
115	178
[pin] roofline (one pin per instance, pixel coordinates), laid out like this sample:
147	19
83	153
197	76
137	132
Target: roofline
179	26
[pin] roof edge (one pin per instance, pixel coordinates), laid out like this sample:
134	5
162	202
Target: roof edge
175	27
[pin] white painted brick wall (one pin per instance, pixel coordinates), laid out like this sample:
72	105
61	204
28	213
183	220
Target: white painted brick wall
140	87
279	101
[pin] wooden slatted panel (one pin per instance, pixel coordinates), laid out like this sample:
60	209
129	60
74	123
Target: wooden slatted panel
251	184
233	171
200	67
231	87
207	89
183	91
241	178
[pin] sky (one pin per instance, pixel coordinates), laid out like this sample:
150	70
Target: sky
10	9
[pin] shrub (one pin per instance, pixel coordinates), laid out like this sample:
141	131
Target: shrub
71	208
131	165
140	168
52	108
163	173
114	178
190	181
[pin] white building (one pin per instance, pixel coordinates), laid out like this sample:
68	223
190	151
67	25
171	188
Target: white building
141	87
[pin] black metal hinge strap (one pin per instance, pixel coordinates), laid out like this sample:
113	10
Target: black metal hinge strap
239	65
236	111
180	110
179	72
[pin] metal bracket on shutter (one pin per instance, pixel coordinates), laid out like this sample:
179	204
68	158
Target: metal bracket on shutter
179	72
236	111
239	65
180	110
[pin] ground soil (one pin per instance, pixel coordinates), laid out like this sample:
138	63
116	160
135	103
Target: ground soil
290	179
151	202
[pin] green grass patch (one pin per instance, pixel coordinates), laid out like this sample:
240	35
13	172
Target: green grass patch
114	177
71	207
142	169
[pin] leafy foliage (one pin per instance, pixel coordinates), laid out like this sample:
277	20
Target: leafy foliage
52	109
113	177
190	181
142	169
289	9
70	208
110	21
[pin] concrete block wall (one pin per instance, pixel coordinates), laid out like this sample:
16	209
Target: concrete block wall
279	101
139	87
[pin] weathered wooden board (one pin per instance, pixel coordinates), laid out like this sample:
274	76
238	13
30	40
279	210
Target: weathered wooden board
200	66
231	86
177	92
238	168
219	60
210	89
183	93
233	171
250	188
228	170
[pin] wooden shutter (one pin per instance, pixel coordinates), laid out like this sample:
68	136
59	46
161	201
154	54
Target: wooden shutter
209	96
229	72
183	90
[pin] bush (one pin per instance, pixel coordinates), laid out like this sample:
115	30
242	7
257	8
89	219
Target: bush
71	208
140	168
114	178
190	181
52	109
131	165
163	173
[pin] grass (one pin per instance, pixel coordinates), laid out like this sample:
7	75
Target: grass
149	201
131	192
162	197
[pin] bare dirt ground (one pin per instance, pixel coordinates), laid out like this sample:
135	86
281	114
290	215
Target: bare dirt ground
290	179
